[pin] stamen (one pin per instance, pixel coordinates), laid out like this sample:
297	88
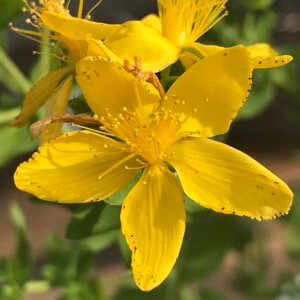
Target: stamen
30	32
100	132
88	15
80	9
139	100
116	165
33	39
193	18
134	168
142	162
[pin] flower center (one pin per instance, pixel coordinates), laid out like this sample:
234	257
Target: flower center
56	6
148	137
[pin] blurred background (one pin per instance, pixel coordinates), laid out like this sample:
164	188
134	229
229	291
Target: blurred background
75	252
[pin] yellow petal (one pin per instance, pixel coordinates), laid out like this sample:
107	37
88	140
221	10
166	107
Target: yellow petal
153	21
39	94
228	181
75	28
57	105
97	48
108	87
210	94
194	52
136	39
264	56
77	49
127	41
153	222
202	50
76	167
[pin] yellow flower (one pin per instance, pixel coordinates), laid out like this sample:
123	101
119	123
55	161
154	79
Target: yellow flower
169	139
54	88
161	40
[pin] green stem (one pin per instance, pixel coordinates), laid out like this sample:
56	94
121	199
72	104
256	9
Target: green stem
7	115
13	71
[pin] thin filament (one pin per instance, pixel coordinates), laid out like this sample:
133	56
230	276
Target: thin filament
93	9
80	9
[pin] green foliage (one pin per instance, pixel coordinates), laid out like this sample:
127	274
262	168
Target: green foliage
95	226
94	219
208	238
293	240
69	263
68	268
260	100
17	141
257	4
289	288
131	292
79	105
12	9
16	270
251	276
118	197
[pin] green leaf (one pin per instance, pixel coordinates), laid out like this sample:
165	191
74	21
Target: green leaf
90	289
118	197
69	267
79	105
192	206
208	238
260	97
109	220
10	74
98	242
95	219
83	222
124	249
7	115
66	262
20	265
15	141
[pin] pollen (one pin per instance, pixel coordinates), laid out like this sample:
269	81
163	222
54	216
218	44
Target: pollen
151	137
56	6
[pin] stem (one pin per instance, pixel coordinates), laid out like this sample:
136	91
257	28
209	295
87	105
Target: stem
8	65
7	115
